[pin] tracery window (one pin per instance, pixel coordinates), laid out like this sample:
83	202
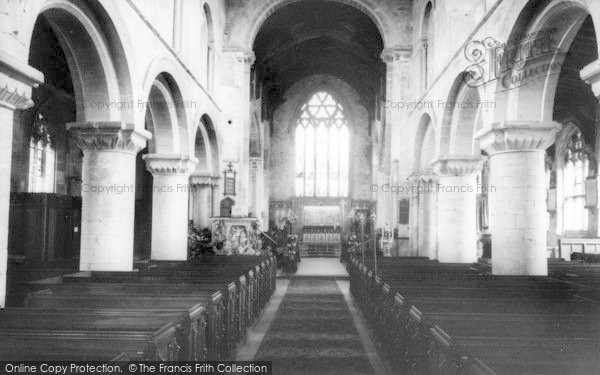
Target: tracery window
322	148
575	173
42	159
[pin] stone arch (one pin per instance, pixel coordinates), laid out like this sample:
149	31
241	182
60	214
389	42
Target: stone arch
166	118
528	87
210	46
462	118
202	149
243	33
424	145
426	36
96	58
213	141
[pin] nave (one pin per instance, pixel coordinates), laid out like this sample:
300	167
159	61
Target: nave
315	327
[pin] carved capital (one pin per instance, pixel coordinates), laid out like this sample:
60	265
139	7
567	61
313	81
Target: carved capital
396	54
457	165
518	136
256	163
591	75
243	56
170	164
200	179
107	136
16	80
419	179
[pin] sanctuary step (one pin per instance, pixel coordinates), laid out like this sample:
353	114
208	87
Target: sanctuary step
318	250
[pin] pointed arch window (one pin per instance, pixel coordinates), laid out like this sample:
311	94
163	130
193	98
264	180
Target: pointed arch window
575	173
42	158
322	148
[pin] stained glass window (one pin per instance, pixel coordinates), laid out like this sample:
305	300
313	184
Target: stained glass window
322	148
575	173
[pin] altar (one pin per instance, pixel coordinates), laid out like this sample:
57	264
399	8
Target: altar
236	235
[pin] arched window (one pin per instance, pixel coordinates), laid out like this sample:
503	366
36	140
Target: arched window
210	48
575	173
42	158
322	148
426	41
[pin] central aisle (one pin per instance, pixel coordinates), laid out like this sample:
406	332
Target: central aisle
314	332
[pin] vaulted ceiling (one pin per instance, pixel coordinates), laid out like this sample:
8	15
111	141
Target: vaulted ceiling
319	37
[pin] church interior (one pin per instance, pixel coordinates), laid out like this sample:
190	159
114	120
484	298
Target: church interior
322	186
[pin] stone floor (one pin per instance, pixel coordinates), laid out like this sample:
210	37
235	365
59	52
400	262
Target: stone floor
321	267
312	326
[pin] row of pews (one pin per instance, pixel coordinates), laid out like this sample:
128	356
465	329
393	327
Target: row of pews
163	311
432	318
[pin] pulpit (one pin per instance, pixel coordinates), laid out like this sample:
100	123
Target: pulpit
236	236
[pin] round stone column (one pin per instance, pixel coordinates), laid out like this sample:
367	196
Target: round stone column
216	196
427	228
107	193
517	195
201	200
170	199
457	208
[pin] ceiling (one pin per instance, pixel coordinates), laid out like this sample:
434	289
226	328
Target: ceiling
319	37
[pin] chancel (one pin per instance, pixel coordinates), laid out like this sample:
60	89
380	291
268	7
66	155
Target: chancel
302	187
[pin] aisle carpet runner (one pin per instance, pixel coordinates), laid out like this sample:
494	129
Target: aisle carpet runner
313	332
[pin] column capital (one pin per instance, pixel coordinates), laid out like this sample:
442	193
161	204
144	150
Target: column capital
242	55
256	162
396	54
170	164
423	178
457	165
201	179
108	136
16	80
518	136
591	75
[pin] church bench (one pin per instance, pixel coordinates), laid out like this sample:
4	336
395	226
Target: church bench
231	333
539	308
429	338
568	246
190	325
57	345
441	353
236	291
213	302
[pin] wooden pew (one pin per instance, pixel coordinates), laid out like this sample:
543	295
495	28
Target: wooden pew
213	302
57	345
190	325
504	311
